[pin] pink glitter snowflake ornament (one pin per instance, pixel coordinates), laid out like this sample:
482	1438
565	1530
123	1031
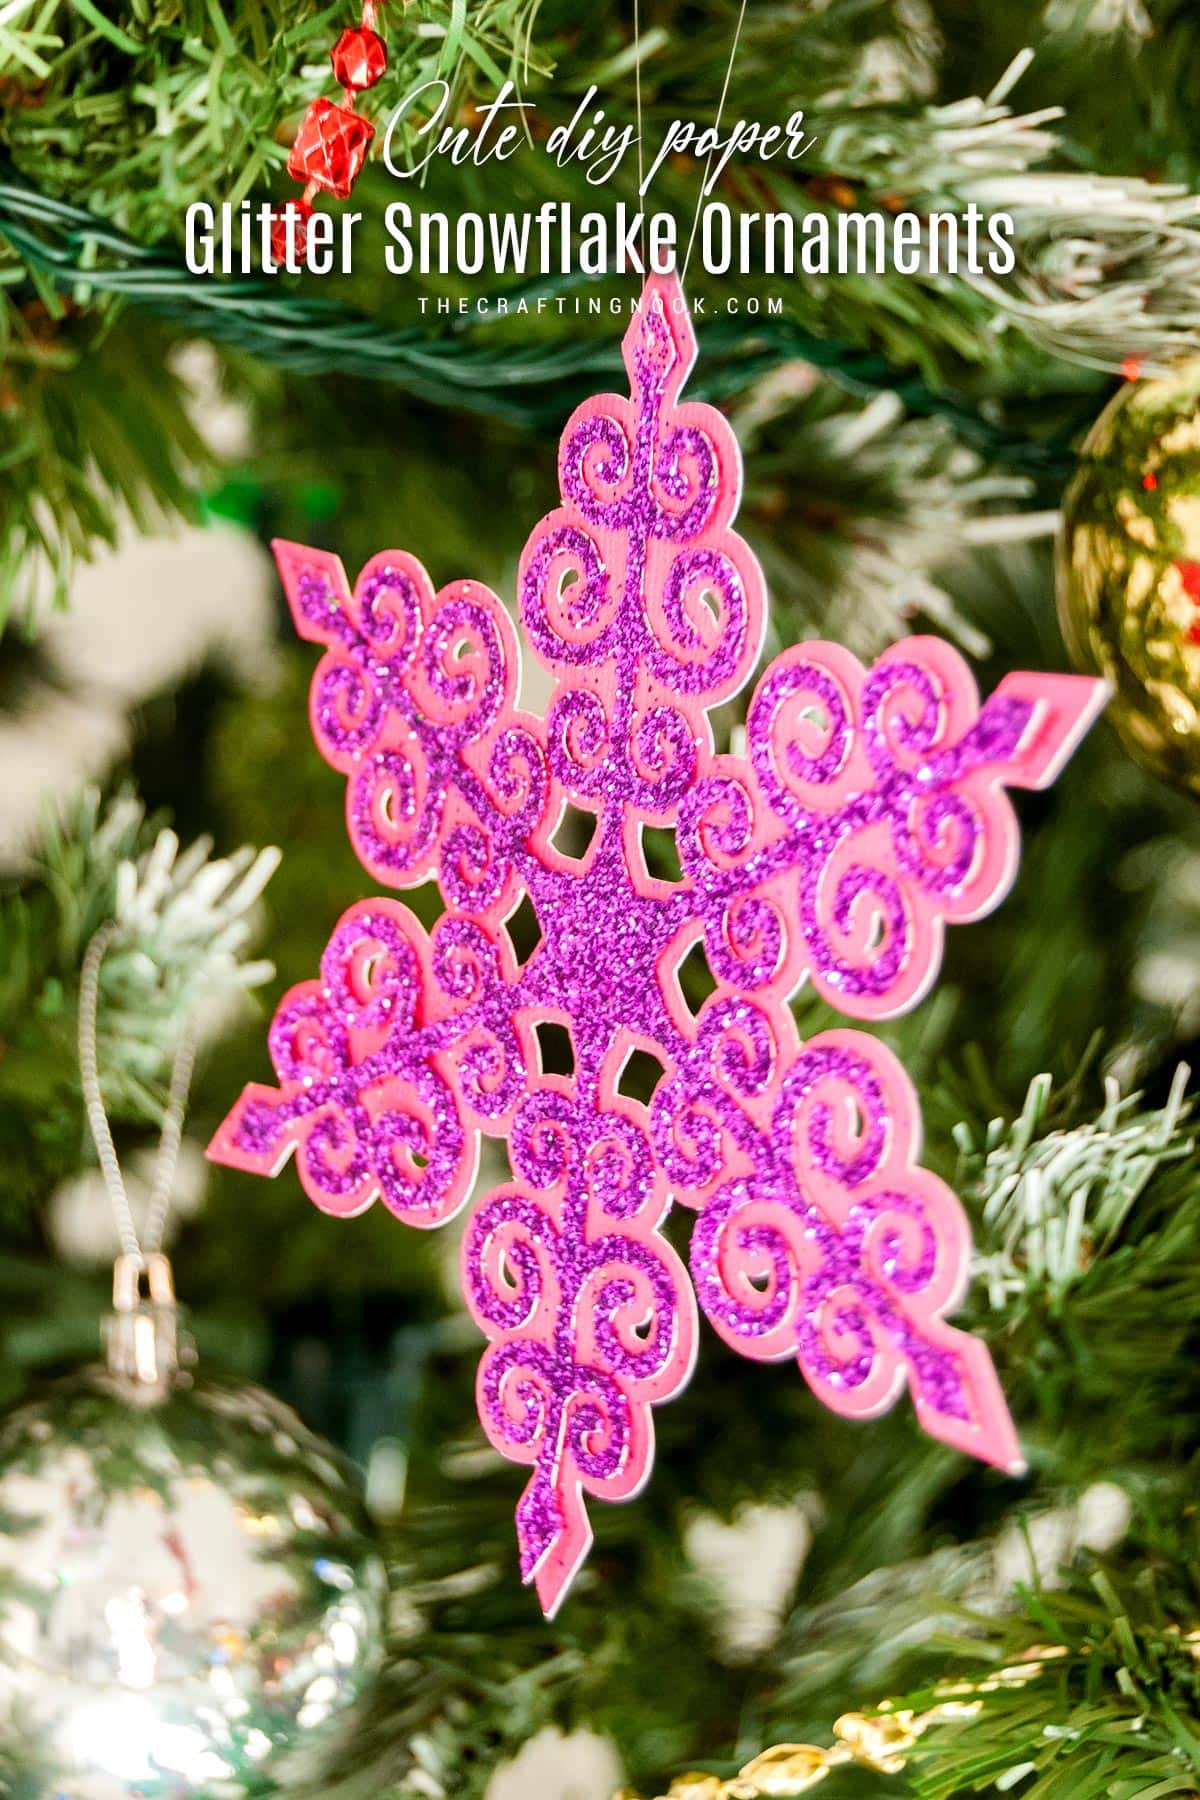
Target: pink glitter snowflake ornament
867	812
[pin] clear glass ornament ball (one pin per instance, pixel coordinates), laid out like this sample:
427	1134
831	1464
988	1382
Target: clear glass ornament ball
189	1601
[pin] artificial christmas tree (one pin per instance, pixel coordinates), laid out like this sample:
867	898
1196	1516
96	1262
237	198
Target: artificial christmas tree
791	1578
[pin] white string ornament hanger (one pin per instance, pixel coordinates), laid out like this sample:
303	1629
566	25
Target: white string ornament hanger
142	1340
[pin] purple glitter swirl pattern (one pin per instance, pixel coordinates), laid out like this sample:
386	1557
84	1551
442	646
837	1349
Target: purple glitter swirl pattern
706	1117
636	593
685	477
395	804
748	934
588	1313
375	640
461	673
700	626
570	595
621	758
833	1247
484	1049
598	464
348	707
874	816
579	733
800	735
414	701
365	1098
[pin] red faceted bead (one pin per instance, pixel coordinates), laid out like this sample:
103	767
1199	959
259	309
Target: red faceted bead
359	58
300	213
330	148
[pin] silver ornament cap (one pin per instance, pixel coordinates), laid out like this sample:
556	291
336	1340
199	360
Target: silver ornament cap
142	1342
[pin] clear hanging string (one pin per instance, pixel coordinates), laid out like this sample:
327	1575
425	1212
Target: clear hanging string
733	50
637	106
149	1244
637	95
637	89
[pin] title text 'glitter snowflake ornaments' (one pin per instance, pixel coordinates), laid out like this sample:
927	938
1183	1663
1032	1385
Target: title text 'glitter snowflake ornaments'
866	813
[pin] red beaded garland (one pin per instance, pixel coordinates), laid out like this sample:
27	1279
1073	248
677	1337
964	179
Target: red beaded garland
300	213
332	142
330	148
359	58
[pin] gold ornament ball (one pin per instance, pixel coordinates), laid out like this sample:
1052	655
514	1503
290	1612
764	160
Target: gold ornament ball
1129	569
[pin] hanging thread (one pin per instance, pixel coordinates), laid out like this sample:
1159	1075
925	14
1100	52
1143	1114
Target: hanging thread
149	1244
733	50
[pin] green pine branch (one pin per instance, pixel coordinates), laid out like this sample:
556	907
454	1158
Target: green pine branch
184	922
113	124
1113	1708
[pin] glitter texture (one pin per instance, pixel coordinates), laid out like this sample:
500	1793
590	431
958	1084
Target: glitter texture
867	812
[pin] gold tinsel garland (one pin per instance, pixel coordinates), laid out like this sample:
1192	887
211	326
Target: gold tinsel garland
880	1740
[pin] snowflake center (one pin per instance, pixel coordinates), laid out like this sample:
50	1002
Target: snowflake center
598	958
